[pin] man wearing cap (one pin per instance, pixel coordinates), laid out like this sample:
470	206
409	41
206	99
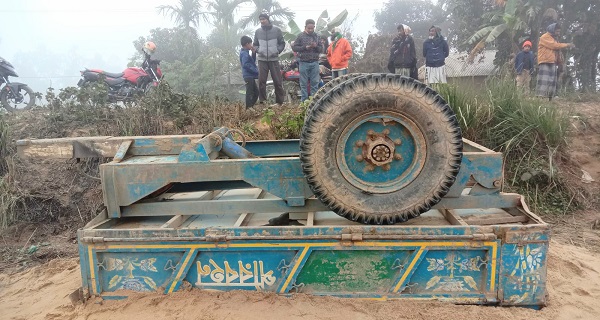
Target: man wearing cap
269	43
524	63
435	51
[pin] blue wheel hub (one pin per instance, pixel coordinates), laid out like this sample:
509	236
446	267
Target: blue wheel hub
381	152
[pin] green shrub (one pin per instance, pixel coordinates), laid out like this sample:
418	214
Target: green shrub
530	132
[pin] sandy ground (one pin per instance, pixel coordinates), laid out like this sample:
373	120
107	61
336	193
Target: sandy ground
42	293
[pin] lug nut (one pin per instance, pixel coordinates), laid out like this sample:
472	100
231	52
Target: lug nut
398	156
360	143
369	168
370	132
397	142
359	158
386	167
386	131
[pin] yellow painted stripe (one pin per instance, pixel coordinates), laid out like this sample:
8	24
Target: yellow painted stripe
92	270
409	269
493	271
298	244
420	244
212	246
183	267
294	269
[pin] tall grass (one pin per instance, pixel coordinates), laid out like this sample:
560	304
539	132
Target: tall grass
9	200
530	132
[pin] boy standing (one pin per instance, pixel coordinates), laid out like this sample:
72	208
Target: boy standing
524	63
249	71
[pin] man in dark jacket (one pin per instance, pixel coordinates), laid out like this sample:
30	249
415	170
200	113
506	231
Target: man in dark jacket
308	47
403	56
524	64
435	51
249	71
269	43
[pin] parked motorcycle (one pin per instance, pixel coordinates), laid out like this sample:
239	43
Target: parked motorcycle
291	81
126	85
14	95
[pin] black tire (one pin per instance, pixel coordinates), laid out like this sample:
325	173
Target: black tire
28	93
326	87
417	114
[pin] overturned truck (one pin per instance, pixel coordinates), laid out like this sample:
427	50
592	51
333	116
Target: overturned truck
380	198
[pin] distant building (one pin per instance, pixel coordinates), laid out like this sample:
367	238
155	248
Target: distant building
460	72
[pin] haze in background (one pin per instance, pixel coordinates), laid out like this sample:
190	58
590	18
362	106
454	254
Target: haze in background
49	42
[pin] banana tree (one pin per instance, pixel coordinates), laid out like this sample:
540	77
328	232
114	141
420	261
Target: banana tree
508	21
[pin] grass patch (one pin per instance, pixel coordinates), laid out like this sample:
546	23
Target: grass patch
530	132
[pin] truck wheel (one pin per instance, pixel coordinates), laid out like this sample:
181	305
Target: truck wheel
326	87
380	148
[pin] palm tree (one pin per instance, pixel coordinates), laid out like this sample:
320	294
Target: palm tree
186	15
277	13
222	12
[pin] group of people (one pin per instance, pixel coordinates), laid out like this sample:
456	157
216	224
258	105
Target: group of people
403	56
268	44
549	63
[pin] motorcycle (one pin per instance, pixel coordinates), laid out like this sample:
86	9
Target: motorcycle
14	95
291	81
126	85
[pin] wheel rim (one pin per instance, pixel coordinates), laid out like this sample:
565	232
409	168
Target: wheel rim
381	152
20	100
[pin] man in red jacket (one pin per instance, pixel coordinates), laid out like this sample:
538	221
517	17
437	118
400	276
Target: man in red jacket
339	54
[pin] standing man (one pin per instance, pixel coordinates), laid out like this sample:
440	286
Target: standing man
269	43
339	54
524	63
435	51
548	59
308	49
249	71
403	55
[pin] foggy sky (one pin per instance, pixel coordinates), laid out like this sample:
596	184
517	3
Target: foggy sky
66	36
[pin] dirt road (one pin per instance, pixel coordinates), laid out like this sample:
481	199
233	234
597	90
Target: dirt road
42	293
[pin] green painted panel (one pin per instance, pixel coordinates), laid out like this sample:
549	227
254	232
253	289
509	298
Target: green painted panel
344	271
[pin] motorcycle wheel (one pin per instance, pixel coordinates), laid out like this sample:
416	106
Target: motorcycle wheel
12	103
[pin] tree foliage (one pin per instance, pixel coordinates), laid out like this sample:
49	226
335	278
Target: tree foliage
420	15
277	13
187	14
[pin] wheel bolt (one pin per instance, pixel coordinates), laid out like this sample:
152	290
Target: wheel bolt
386	167
397	142
386	131
370	132
360	143
397	156
359	158
369	168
